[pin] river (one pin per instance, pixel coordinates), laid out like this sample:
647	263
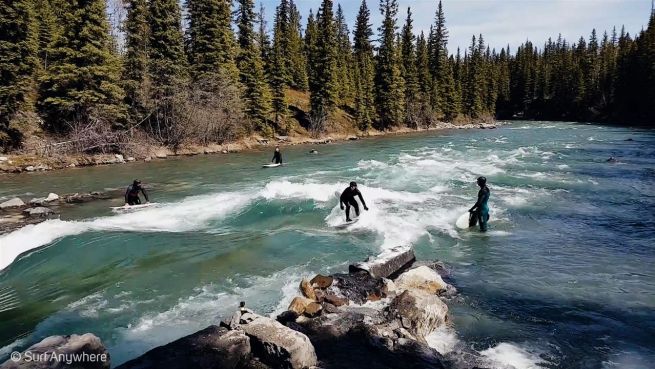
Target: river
564	278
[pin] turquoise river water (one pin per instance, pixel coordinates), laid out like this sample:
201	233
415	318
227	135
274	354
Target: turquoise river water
563	279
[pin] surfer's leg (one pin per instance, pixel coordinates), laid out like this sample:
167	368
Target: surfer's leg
347	212
356	206
483	218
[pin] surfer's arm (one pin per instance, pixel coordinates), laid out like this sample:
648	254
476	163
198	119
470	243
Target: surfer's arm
361	198
477	203
143	191
127	192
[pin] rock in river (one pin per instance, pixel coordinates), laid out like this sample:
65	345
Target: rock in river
13	203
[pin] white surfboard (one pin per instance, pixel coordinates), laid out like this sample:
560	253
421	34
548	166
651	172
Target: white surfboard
463	221
345	225
133	207
271	165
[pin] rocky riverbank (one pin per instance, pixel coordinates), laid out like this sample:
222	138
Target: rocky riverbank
26	162
378	315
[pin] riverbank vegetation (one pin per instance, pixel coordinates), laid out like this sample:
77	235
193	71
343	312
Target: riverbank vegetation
94	81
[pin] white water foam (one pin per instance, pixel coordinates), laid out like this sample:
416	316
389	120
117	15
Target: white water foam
511	356
189	214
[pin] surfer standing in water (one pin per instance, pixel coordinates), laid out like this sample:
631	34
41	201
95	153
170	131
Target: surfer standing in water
480	211
277	156
348	198
132	193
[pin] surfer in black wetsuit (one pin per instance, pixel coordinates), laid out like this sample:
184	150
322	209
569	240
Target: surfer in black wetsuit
480	211
132	193
348	198
277	156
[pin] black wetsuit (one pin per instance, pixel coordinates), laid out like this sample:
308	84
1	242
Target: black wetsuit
277	157
348	198
132	194
480	211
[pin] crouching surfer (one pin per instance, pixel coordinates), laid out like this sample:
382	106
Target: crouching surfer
348	198
480	211
132	193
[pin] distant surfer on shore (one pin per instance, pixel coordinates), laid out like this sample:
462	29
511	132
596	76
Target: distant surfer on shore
348	198
480	211
277	156
132	193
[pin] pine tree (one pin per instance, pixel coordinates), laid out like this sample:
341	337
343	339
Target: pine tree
473	100
212	48
48	30
364	70
344	59
438	59
264	41
388	81
18	47
324	87
168	67
408	71
296	57
135	64
310	49
256	94
279	72
424	79
82	82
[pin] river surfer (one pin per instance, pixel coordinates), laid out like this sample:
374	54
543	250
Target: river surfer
348	198
132	193
480	211
277	156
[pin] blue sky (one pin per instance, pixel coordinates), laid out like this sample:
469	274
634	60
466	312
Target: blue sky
505	21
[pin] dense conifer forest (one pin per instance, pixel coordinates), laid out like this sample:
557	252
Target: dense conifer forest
222	72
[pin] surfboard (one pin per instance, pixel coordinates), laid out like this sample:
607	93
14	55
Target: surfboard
271	165
345	225
133	207
463	221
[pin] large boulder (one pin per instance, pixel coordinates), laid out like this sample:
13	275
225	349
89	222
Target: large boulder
421	279
59	352
307	289
279	346
299	304
418	312
386	264
321	281
52	197
211	348
13	203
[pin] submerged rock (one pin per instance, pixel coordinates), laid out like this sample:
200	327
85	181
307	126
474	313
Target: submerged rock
13	203
211	348
278	345
83	351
